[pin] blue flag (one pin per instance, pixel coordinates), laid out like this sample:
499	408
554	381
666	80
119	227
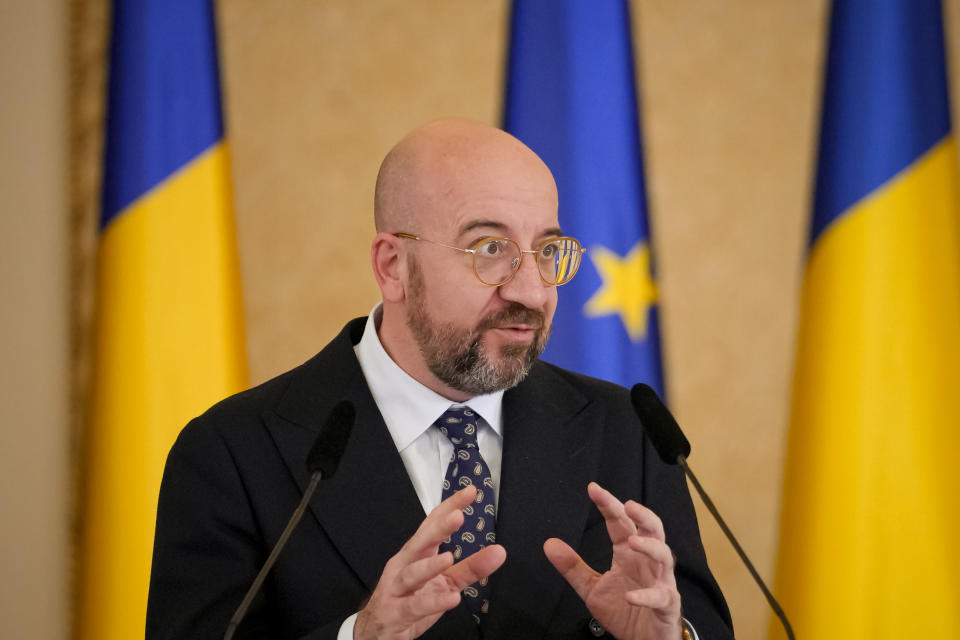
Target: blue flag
571	98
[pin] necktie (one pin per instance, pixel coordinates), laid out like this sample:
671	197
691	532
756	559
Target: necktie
459	425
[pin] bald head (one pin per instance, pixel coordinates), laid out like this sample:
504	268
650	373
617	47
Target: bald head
447	160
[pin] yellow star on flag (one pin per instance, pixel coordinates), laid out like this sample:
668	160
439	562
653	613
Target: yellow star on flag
628	288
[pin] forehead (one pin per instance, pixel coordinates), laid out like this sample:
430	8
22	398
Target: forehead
478	228
520	204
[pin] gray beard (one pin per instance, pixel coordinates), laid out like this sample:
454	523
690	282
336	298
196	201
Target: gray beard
457	356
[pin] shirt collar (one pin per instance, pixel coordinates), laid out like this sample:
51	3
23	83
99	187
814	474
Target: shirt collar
408	407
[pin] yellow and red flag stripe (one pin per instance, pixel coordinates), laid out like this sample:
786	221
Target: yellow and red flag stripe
870	525
169	337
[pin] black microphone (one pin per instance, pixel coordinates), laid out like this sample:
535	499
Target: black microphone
322	462
673	447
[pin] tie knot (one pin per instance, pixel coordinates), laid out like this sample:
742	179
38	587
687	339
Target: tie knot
459	425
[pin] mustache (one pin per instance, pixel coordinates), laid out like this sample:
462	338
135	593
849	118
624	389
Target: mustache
516	313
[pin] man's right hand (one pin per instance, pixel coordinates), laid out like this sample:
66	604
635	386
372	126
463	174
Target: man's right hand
418	585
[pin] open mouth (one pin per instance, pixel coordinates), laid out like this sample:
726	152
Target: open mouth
517	332
516	324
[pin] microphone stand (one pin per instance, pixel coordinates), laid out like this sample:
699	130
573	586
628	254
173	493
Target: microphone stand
272	558
736	545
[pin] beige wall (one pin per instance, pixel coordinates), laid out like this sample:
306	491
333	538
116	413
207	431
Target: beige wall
315	93
34	472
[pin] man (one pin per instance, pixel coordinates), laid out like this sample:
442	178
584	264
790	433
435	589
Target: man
468	255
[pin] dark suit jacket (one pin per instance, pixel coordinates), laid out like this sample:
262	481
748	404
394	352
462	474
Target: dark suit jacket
237	472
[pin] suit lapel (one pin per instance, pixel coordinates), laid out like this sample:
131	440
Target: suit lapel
369	508
551	450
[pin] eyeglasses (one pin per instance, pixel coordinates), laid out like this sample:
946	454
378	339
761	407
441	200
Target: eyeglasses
496	260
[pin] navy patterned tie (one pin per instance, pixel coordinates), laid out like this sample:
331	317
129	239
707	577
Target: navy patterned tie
460	425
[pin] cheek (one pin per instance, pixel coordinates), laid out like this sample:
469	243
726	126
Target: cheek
551	306
455	301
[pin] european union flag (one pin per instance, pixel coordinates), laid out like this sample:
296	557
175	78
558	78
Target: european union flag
571	98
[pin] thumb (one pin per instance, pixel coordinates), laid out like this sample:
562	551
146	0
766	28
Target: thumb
570	565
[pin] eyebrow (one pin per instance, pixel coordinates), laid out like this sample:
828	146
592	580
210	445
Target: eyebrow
475	224
502	228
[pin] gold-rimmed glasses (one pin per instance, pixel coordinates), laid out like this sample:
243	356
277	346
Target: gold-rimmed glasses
496	260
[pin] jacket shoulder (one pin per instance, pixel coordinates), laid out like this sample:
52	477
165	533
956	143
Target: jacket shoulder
592	388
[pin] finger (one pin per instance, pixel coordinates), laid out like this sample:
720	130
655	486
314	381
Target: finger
437	597
477	566
570	565
660	599
418	573
654	549
619	524
648	523
438	525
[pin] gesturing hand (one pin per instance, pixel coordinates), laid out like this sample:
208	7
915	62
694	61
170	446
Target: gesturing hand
637	598
418	585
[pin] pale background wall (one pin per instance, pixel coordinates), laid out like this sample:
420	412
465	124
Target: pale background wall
315	94
34	321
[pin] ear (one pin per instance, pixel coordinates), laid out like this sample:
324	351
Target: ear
389	267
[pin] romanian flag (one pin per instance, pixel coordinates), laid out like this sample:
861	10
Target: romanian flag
571	98
870	532
169	334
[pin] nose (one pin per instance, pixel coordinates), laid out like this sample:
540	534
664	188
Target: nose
527	287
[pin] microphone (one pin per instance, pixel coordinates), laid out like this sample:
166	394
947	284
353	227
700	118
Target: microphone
322	462
674	448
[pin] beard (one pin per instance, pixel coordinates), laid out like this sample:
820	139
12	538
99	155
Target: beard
456	355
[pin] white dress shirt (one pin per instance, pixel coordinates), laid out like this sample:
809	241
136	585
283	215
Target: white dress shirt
409	410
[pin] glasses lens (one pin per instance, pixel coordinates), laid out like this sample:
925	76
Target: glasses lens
559	260
496	259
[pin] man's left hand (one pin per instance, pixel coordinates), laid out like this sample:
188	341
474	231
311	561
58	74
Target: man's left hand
637	598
